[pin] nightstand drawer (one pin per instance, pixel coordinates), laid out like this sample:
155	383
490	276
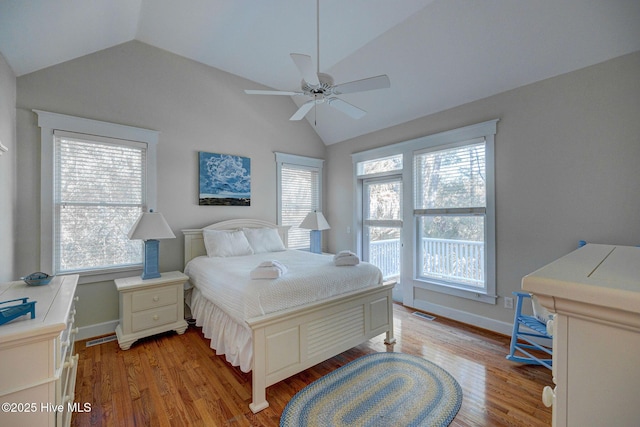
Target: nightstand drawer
152	318
144	300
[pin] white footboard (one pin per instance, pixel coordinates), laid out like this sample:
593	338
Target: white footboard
296	339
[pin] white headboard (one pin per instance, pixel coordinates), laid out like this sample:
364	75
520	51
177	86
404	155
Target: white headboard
194	243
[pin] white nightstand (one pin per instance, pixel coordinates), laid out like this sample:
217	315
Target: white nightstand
149	307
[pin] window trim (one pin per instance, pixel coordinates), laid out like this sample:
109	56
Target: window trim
48	123
486	130
296	160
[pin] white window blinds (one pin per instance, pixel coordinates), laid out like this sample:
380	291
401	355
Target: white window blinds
451	179
99	192
300	194
450	208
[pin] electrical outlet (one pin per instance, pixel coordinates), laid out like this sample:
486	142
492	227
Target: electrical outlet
508	302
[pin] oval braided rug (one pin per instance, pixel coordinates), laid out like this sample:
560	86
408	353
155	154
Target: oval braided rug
379	389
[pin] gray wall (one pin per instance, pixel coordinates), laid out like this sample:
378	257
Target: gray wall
7	171
567	151
567	168
195	108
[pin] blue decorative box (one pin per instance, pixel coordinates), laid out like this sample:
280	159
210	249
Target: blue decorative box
20	308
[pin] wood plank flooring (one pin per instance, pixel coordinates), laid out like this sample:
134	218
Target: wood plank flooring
177	380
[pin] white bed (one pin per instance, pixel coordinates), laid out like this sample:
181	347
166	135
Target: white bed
276	337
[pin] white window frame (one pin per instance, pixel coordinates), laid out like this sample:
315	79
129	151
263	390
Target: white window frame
486	130
296	160
50	122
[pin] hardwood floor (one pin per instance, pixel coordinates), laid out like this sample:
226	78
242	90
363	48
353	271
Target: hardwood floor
177	380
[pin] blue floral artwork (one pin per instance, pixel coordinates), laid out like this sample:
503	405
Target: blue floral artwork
225	180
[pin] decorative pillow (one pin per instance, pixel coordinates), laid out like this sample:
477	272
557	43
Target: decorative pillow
264	240
221	243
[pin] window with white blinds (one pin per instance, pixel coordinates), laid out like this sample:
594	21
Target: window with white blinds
300	192
96	179
451	178
448	210
450	207
99	192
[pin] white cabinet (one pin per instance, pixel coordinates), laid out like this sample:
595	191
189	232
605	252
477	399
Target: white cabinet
37	364
148	307
595	292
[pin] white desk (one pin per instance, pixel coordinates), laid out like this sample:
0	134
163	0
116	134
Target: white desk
595	292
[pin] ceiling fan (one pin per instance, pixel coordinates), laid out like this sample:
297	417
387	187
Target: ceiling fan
320	87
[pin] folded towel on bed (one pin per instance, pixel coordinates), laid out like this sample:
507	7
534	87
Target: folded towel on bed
269	270
346	258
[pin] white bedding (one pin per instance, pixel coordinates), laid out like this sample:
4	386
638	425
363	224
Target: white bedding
225	295
310	277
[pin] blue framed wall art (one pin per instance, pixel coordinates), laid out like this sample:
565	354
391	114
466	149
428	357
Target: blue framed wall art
225	180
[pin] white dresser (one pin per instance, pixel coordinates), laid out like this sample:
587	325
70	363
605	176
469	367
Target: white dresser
595	292
37	365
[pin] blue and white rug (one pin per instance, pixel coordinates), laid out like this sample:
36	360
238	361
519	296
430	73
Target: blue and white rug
379	389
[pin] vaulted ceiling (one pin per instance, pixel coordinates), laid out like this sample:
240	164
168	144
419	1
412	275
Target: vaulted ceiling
437	53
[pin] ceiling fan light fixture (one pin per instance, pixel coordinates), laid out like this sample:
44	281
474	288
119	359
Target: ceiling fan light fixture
321	87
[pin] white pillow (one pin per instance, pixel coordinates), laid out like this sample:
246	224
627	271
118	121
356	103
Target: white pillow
264	240
226	243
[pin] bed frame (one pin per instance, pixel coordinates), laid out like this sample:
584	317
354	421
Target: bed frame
290	341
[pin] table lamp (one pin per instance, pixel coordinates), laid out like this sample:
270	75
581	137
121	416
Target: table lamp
150	227
315	222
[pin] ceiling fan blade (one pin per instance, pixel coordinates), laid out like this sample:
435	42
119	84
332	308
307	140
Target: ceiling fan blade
271	92
371	83
305	65
303	110
345	107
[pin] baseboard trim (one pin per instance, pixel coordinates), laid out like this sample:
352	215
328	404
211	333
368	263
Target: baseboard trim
494	325
106	328
97	330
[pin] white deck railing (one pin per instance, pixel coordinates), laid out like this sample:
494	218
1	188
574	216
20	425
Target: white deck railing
451	260
385	254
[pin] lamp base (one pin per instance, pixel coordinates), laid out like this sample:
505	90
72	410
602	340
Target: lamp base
315	236
151	255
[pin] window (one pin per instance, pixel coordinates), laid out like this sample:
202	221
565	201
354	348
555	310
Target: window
98	195
97	178
299	192
385	164
447	232
450	209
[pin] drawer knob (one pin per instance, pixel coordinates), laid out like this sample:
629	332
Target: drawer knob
155	317
156	298
548	396
71	361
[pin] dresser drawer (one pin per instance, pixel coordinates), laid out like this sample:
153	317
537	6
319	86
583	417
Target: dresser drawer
155	317
144	300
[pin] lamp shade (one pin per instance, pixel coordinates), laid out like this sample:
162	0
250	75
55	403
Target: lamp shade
151	225
315	221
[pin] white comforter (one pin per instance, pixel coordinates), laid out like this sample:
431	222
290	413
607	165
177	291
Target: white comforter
310	277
